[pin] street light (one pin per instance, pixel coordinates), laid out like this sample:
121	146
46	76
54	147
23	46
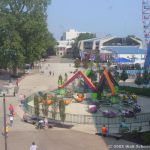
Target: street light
4	109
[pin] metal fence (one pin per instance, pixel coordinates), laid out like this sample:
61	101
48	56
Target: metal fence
142	120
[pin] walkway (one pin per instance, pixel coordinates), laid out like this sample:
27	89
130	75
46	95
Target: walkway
22	134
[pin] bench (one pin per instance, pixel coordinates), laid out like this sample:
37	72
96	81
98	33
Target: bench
113	135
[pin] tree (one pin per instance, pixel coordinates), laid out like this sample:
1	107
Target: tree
60	80
116	76
24	33
66	77
77	63
93	75
124	76
82	36
62	110
36	105
85	63
139	80
146	77
45	105
54	107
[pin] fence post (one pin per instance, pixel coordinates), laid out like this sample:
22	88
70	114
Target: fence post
108	128
130	127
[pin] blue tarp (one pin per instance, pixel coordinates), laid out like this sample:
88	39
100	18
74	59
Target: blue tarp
123	60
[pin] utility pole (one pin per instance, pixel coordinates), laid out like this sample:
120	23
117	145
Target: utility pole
4	107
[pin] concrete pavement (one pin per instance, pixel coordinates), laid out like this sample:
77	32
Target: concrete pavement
21	135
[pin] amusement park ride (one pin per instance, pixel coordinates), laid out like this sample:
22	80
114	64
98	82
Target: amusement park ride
111	96
146	26
106	77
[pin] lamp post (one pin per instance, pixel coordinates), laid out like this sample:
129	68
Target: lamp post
4	109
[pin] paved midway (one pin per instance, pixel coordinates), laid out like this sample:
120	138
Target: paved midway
21	135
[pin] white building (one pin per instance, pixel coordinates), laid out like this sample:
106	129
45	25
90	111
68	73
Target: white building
127	47
64	48
71	34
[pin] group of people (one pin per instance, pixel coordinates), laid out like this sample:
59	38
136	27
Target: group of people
43	69
42	123
11	119
51	73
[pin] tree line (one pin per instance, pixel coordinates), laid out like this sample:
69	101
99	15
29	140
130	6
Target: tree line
24	36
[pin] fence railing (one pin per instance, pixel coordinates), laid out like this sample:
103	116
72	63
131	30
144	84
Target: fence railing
142	120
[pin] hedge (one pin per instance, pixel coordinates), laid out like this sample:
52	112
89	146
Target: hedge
138	91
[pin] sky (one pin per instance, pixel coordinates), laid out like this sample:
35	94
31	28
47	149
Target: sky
103	17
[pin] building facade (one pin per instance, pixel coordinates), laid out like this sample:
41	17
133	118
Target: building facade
71	34
111	46
64	47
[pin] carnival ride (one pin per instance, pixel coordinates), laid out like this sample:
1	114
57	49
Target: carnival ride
106	98
85	78
106	77
146	26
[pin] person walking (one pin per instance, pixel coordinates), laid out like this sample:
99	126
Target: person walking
33	146
11	118
11	109
7	129
17	81
46	123
104	130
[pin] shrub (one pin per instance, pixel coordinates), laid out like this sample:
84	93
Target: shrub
138	91
146	138
138	80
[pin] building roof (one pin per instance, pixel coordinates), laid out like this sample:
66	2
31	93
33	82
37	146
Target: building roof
126	50
122	60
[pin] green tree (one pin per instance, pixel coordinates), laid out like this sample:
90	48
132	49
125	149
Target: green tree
116	76
54	107
36	105
146	77
60	80
62	110
45	105
124	76
93	75
139	80
82	36
66	77
85	63
24	33
77	63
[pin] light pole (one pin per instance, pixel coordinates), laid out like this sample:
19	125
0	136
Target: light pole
4	109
